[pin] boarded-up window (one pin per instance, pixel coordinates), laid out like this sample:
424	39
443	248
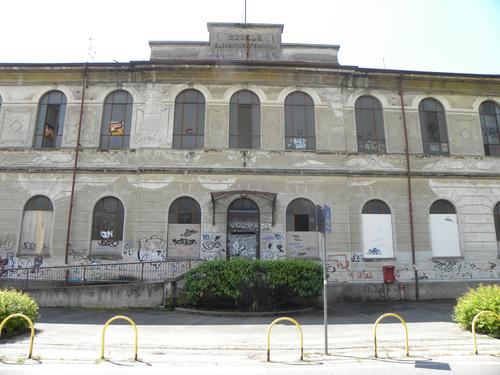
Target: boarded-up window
370	125
244	120
116	120
433	127
299	122
496	219
107	228
189	120
489	113
50	120
36	227
184	218
377	230
444	229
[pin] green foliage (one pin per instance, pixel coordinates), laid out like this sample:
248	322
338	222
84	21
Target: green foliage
485	297
255	284
11	302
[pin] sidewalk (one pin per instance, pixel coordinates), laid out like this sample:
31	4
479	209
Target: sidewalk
74	336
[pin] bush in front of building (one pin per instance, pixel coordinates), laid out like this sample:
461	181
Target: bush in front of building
11	302
246	284
485	297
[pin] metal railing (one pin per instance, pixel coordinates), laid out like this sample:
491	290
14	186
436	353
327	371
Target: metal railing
43	277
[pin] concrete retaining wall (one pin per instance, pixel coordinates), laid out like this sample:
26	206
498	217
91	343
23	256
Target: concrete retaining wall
102	296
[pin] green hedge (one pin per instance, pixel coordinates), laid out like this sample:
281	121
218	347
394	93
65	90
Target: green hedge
254	284
485	297
11	302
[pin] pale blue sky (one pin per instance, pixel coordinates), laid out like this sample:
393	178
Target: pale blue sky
433	35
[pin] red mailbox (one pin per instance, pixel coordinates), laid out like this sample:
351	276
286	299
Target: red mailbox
389	274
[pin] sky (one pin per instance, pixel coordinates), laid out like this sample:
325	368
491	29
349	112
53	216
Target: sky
460	36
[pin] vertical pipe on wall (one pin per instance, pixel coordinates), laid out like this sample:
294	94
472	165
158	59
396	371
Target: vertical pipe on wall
408	176
75	165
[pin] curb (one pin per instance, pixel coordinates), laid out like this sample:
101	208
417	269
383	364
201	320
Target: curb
242	314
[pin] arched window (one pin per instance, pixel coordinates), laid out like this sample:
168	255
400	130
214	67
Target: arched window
50	120
300	132
376	221
496	219
444	229
243	229
184	210
301	216
107	227
433	127
489	113
369	125
302	238
116	120
184	218
189	120
244	120
37	224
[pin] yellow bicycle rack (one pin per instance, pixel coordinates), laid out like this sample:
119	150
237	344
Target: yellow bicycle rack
32	327
375	331
485	312
269	336
121	317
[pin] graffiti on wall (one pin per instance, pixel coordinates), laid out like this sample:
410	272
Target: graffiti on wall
184	240
302	245
7	242
213	246
273	245
243	245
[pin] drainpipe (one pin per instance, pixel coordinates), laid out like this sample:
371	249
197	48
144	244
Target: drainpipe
75	165
408	177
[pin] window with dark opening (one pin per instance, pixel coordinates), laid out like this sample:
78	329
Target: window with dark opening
184	210
301	216
433	127
116	120
189	120
377	207
369	125
489	113
50	120
442	206
244	120
36	226
107	223
496	218
300	131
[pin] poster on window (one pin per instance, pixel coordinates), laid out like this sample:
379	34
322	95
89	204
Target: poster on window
184	240
444	235
116	128
377	236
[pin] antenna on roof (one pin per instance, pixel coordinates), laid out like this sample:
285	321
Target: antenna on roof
245	11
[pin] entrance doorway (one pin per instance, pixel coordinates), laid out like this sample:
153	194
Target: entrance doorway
243	224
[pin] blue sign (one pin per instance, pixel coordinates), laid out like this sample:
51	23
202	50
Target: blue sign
327	211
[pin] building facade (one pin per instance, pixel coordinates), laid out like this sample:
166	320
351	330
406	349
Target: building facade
225	148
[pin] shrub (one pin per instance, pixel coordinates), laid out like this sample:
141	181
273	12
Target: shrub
11	302
485	297
255	284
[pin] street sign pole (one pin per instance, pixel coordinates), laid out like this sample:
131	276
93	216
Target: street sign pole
325	225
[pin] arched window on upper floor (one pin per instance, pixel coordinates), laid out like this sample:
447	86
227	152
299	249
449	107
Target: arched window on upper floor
444	229
50	120
244	120
107	227
376	230
116	120
300	130
189	120
37	222
184	227
433	127
369	125
489	113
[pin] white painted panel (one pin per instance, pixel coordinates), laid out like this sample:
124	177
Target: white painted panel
377	236
444	235
184	240
35	235
302	244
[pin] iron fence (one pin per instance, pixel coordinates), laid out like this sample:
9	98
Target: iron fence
43	277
